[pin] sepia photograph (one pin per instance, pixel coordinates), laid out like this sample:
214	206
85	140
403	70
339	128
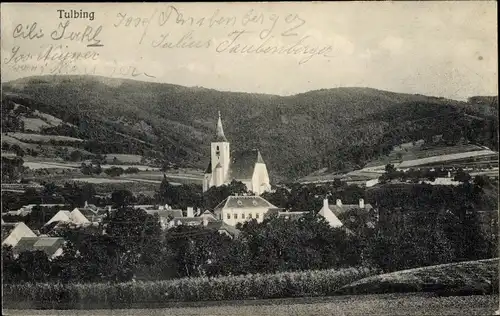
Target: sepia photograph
250	158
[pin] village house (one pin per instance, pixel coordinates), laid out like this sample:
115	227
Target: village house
206	220
13	232
242	208
74	217
192	219
51	246
330	212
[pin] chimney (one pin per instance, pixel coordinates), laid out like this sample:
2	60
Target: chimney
361	203
449	174
86	204
109	208
325	203
190	212
339	202
205	221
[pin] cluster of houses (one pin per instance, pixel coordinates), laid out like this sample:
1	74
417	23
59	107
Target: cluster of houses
224	218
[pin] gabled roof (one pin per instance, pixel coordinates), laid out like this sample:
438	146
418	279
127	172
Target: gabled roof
7	229
329	216
209	168
244	202
77	217
242	164
165	213
61	216
207	214
184	220
91	214
49	245
220	225
337	210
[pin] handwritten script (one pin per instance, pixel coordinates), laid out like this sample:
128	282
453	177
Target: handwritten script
252	32
67	46
57	58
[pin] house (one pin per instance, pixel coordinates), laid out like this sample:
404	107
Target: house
225	166
223	228
165	215
242	208
280	213
329	216
339	208
75	217
13	232
52	246
191	219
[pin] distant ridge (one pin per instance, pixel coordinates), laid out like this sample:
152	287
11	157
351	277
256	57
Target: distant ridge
339	128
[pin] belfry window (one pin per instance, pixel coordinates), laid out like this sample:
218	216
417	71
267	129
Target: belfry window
217	151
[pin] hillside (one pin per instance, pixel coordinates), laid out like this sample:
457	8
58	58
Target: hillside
461	278
341	128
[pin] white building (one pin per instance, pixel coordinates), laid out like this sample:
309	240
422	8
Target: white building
74	217
240	209
13	232
52	246
329	216
247	167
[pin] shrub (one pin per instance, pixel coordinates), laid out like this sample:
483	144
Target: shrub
137	294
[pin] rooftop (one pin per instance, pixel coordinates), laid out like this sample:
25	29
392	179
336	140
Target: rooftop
49	245
244	202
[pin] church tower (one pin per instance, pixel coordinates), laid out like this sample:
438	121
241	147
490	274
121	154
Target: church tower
220	157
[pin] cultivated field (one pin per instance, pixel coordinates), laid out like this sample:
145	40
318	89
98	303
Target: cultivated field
355	305
132	159
41	138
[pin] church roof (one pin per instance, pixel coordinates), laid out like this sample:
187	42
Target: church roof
219	136
243	201
209	168
243	164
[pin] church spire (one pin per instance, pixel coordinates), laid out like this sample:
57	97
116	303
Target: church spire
220	131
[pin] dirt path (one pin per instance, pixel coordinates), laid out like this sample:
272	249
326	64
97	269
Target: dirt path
394	304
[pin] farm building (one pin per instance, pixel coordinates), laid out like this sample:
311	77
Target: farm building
13	232
52	246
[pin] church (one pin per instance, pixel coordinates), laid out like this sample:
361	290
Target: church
225	166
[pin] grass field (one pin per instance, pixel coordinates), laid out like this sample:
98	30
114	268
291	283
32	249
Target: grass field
41	138
132	159
356	305
472	277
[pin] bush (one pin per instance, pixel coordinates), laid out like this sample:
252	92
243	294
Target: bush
137	294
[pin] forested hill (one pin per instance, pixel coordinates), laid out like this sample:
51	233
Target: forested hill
336	128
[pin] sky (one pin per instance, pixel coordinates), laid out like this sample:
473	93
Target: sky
445	49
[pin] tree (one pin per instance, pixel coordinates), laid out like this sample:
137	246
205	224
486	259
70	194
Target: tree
34	266
122	198
462	176
76	155
114	171
137	238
